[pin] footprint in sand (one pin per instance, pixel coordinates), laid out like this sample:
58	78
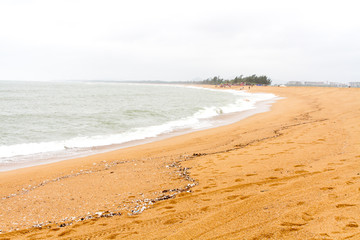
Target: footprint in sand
137	222
290	224
206	199
169	211
352	225
245	197
228	190
343	205
288	230
328	169
276	184
332	164
251	174
272	178
306	217
113	236
66	232
300	165
232	197
204	209
237	166
171	221
340	218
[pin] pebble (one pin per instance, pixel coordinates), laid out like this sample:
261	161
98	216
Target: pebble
141	206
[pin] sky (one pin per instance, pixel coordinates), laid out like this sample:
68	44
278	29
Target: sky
184	40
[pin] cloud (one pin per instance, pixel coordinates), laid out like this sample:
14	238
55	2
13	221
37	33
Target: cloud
166	40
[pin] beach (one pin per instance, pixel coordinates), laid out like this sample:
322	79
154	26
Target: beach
289	173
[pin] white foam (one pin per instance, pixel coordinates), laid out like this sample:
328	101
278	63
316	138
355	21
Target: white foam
200	120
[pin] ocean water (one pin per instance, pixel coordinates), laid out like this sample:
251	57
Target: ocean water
45	121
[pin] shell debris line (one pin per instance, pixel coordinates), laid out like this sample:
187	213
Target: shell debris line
128	204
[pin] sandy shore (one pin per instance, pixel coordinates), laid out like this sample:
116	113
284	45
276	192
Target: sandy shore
291	173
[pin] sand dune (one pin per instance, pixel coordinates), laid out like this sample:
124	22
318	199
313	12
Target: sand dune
291	173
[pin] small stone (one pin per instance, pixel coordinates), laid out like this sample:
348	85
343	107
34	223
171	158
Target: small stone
99	214
352	224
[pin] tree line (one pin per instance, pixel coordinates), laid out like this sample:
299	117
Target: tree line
249	80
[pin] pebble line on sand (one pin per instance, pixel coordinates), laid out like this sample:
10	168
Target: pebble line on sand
144	204
141	204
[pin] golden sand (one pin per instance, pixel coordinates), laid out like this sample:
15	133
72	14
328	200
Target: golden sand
290	173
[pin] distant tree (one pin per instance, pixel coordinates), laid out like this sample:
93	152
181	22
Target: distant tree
249	80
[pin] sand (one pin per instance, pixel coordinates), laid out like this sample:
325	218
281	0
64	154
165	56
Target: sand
290	173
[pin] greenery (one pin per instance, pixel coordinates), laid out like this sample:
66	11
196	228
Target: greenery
239	80
249	80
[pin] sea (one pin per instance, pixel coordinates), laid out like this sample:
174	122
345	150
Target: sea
43	122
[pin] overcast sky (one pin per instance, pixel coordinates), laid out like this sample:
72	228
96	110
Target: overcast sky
179	40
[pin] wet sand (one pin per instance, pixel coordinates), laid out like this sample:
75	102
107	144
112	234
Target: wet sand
291	173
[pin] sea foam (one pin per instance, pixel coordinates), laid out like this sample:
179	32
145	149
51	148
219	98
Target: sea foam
205	117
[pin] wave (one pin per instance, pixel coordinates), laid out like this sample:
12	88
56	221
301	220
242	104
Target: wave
202	119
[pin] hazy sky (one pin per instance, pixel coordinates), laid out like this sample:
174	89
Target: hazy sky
179	40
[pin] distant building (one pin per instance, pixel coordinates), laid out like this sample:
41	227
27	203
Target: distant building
294	83
354	84
315	84
323	84
336	84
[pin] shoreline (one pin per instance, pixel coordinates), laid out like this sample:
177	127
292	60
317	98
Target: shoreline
218	121
287	173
